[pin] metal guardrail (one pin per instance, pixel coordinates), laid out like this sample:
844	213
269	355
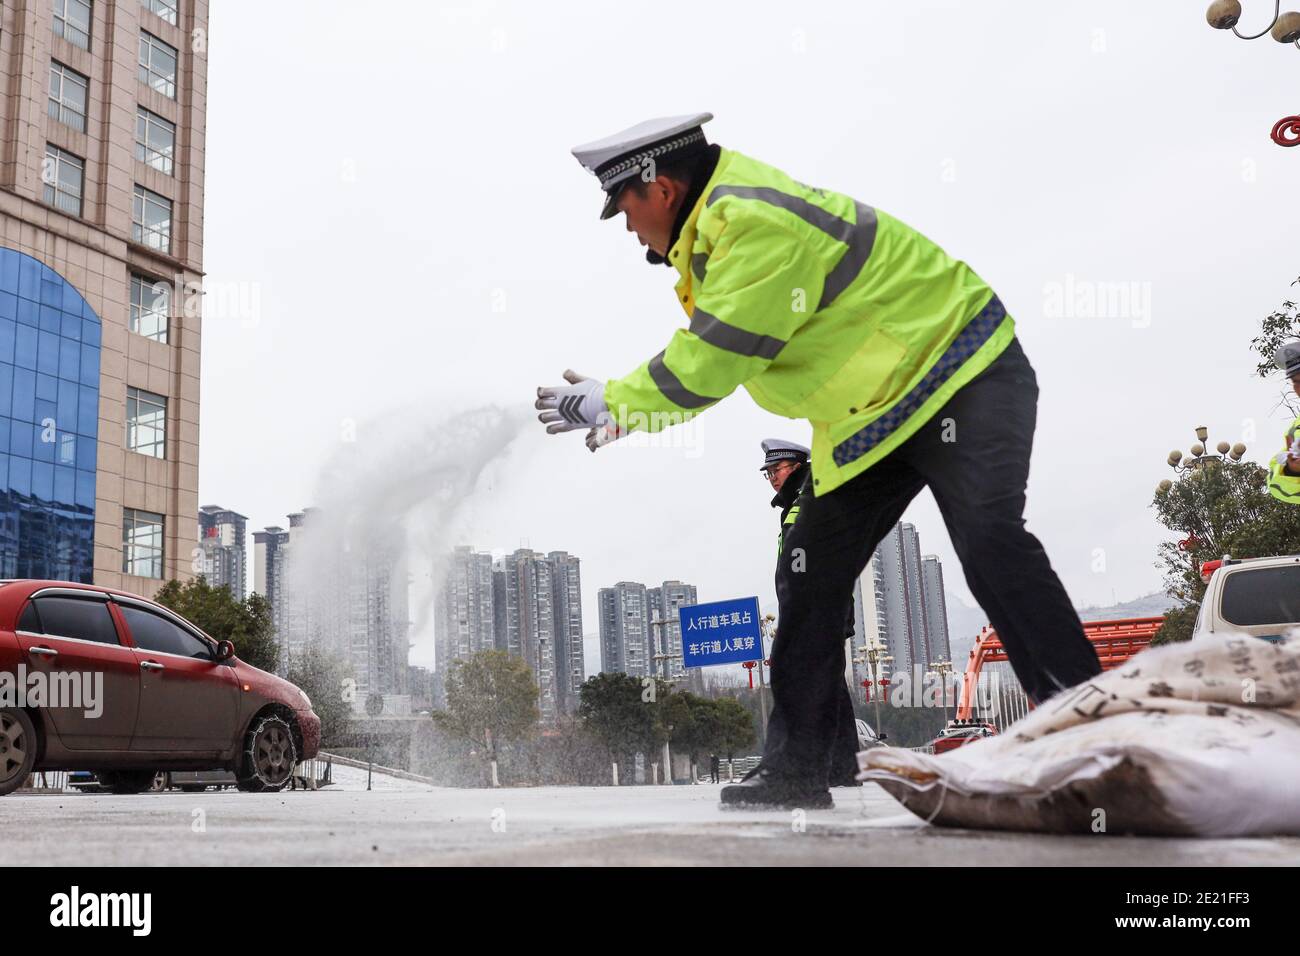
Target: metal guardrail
312	774
48	781
386	771
727	769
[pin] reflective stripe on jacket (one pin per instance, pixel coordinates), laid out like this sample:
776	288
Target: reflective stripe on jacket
1282	486
787	499
824	309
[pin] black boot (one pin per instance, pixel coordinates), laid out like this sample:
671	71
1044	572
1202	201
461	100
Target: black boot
844	770
765	790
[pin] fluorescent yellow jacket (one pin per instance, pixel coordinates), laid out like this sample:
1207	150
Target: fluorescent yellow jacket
1282	486
824	309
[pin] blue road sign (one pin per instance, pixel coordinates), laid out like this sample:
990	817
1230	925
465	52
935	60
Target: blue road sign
723	632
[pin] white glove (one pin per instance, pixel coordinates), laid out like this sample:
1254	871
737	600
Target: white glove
602	435
580	404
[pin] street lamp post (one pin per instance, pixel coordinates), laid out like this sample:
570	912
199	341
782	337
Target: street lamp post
1200	457
1284	28
767	628
1198	462
943	669
662	660
873	655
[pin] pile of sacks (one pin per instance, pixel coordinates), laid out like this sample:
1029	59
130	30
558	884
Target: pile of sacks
1199	738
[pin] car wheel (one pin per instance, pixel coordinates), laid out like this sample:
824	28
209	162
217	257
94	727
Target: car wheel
269	756
17	749
159	782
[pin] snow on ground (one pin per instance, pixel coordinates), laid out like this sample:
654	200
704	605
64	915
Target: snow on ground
354	778
405	823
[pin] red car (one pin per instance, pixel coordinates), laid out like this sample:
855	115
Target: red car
96	679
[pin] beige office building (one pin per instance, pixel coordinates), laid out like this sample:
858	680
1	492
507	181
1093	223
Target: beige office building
102	116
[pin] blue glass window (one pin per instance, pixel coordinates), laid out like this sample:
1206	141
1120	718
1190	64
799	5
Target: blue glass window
69	358
43	480
25	347
47	353
67	404
86	492
47	389
20	475
20	438
28	312
88	411
89	365
86	454
49	423
8	334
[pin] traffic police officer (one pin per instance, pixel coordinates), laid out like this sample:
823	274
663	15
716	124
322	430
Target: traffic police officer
1284	469
785	466
900	356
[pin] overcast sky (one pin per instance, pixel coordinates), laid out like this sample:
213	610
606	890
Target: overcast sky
400	233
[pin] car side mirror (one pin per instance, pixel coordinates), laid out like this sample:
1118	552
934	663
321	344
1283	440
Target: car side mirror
225	650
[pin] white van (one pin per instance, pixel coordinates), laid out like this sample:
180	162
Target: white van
1255	596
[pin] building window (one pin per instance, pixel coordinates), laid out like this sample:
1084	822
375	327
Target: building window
155	140
142	543
72	21
63	175
151	220
164	8
68	96
157	64
146	422
150	303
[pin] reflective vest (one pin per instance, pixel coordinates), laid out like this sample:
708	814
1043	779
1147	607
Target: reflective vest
1282	486
824	309
789	503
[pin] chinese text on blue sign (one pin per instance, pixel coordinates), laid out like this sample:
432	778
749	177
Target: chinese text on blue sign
723	632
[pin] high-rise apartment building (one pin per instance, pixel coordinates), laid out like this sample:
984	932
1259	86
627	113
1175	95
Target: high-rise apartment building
641	631
346	597
936	609
222	536
625	629
466	606
530	620
899	603
102	119
566	604
268	569
899	582
528	604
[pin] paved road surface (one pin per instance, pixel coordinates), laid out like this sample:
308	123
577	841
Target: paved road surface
406	823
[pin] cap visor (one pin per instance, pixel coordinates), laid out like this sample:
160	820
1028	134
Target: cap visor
610	209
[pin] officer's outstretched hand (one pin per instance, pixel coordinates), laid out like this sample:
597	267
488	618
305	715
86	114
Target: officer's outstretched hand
580	404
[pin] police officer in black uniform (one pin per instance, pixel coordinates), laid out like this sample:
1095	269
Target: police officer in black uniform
785	465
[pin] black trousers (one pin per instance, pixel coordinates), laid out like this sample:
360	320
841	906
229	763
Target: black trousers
974	455
843	763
